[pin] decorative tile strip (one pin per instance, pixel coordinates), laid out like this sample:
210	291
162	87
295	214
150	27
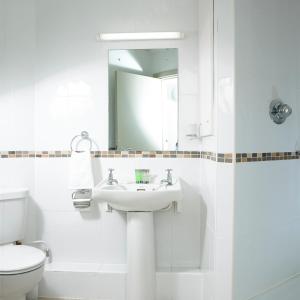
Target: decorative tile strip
216	157
208	155
266	156
104	154
249	157
225	157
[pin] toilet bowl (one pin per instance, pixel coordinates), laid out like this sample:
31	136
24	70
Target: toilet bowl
21	269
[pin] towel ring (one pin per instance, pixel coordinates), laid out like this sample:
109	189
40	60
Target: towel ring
83	136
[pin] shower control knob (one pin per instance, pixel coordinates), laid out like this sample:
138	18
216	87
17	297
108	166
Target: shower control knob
279	111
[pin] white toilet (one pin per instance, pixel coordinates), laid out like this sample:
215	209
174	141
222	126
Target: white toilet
21	267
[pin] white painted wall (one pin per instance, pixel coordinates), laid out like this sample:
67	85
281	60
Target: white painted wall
267	203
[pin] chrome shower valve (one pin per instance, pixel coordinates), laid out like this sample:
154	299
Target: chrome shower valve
279	111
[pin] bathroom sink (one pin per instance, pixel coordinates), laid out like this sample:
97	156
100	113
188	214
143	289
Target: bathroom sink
132	197
140	201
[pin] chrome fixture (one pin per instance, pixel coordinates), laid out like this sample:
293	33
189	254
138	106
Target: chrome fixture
279	111
82	198
169	180
111	179
44	247
84	135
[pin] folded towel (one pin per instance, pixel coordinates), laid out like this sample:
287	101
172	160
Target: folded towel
80	171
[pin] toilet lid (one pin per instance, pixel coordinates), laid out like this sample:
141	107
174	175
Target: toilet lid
20	259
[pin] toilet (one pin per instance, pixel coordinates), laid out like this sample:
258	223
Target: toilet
21	266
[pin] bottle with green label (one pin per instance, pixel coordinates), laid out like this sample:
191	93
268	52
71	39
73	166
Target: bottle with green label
142	176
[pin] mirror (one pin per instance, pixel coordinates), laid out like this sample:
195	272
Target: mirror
143	99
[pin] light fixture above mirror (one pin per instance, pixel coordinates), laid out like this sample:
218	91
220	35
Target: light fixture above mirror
140	36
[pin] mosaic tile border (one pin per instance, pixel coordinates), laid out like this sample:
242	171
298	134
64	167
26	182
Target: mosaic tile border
249	157
105	154
266	156
216	157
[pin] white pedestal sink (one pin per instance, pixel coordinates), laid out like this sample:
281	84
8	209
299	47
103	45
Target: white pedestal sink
140	201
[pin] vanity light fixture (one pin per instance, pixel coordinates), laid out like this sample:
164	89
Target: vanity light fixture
140	36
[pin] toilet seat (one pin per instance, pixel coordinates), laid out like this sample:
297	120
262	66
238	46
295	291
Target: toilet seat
20	259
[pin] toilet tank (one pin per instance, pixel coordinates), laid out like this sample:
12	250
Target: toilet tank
13	204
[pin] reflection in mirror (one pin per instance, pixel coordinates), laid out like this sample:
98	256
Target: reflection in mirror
143	99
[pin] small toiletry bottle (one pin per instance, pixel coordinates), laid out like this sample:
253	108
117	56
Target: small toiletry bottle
146	176
138	176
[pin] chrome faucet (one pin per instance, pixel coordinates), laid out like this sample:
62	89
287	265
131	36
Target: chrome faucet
111	179
168	180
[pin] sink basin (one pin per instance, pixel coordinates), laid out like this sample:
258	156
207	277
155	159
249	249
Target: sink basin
133	197
140	201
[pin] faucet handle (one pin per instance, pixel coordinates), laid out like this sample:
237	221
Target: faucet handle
168	180
111	179
110	174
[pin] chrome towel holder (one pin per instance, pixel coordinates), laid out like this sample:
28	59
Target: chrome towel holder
84	135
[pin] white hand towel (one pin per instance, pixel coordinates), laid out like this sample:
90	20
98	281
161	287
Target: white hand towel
80	171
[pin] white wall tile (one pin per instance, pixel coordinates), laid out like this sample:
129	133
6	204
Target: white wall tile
290	290
224	75
267	225
267	69
71	56
107	232
112	285
17	74
267	206
64	54
41	57
71	237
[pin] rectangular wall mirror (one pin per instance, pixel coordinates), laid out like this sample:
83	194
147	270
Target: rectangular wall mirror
143	99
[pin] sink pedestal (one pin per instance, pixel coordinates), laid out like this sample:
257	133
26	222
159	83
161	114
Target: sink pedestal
140	201
141	275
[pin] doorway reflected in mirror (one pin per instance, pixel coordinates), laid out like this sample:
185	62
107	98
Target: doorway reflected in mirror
143	100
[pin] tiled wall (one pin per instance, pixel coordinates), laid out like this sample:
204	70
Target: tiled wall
37	132
267	205
100	237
